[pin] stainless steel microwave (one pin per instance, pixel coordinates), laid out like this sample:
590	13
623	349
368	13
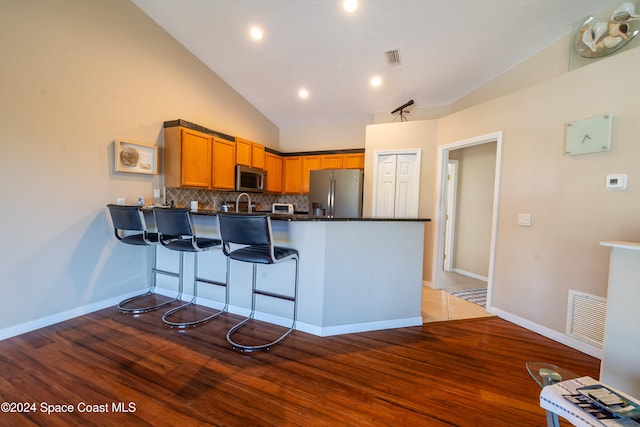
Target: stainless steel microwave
250	180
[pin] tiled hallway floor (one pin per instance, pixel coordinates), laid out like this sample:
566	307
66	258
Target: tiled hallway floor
454	281
438	305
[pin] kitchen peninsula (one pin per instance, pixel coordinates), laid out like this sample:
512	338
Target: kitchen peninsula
356	274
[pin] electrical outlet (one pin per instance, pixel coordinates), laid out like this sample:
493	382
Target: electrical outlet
156	193
524	220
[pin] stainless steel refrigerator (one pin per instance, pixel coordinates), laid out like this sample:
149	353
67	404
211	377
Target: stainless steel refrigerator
336	193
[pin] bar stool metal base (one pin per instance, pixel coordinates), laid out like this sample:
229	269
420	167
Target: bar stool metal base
264	347
139	310
150	291
191	324
251	348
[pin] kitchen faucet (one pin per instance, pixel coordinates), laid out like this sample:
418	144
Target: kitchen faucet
248	202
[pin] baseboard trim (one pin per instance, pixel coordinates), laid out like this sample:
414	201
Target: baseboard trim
45	321
321	331
549	333
469	274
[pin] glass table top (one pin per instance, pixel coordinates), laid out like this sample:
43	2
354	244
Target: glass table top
546	373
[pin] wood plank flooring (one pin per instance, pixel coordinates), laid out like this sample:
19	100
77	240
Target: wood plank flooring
461	373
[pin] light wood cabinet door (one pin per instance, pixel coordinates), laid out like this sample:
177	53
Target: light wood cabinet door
224	154
273	166
332	161
243	152
309	163
292	174
196	159
354	161
257	156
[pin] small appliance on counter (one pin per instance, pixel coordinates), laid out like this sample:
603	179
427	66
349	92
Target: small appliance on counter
282	208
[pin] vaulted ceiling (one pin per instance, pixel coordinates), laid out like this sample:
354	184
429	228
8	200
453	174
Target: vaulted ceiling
446	49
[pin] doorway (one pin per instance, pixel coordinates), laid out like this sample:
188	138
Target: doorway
442	201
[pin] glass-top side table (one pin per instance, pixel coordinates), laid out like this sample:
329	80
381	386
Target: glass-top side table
546	373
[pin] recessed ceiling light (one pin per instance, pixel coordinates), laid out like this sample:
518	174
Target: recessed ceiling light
256	33
376	81
350	6
303	93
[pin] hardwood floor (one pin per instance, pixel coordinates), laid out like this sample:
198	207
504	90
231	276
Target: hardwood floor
461	373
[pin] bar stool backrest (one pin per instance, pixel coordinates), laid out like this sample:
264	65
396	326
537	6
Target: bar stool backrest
173	222
245	229
242	229
130	219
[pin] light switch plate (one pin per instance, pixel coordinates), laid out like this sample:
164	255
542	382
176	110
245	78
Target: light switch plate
524	220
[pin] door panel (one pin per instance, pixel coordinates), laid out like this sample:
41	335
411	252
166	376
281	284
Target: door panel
385	201
196	159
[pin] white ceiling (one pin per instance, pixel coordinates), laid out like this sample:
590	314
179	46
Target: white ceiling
448	48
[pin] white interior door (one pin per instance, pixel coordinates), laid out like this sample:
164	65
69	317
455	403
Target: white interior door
396	190
386	184
406	205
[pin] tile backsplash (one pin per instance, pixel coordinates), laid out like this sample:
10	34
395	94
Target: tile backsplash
212	199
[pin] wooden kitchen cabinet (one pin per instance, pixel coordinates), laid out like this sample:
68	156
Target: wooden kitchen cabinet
273	166
223	174
197	159
292	174
250	153
258	156
332	161
187	158
354	161
243	152
309	163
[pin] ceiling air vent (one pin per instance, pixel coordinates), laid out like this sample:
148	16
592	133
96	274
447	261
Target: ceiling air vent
393	57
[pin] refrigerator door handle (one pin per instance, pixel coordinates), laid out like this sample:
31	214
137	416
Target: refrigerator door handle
329	193
332	195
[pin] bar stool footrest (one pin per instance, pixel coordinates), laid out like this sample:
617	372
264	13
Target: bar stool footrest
260	347
275	295
191	324
139	310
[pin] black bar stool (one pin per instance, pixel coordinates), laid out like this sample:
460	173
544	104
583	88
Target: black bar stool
176	232
253	232
130	227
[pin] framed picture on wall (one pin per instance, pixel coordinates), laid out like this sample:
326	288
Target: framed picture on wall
136	157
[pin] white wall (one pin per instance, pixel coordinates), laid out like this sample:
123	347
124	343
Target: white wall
327	136
76	75
401	136
571	210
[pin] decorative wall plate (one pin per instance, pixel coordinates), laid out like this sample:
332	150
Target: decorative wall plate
602	36
129	156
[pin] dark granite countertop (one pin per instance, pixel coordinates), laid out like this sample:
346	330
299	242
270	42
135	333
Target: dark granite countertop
306	217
